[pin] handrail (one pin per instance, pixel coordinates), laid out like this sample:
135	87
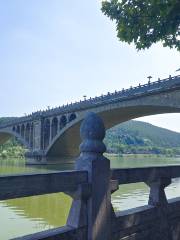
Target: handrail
16	186
61	233
144	174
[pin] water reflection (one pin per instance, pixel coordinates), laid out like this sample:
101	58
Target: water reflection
32	214
51	208
122	199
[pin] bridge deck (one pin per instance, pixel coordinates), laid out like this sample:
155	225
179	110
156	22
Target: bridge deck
149	88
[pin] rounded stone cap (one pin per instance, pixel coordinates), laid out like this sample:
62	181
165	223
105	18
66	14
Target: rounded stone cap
92	133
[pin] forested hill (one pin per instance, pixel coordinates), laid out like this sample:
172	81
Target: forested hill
141	137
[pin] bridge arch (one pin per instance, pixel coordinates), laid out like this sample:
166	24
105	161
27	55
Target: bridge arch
6	134
18	129
22	130
67	141
72	117
27	132
62	122
67	138
54	127
46	133
31	135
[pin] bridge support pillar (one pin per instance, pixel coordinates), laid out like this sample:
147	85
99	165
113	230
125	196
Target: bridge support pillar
35	157
37	141
36	153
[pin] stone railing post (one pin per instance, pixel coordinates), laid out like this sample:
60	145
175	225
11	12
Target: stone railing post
157	198
98	167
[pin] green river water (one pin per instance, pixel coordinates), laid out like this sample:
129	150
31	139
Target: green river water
23	216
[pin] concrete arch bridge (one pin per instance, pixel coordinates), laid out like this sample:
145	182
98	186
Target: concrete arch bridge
54	133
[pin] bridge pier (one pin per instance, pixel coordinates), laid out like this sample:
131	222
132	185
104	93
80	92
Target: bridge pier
35	157
39	158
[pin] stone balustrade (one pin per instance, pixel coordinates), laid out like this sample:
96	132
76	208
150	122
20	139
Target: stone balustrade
91	184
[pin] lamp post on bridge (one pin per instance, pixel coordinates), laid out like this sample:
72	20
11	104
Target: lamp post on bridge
149	77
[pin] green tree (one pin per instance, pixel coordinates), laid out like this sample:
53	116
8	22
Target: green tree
144	22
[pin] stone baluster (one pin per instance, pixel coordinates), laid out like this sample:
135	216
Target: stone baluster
99	209
157	198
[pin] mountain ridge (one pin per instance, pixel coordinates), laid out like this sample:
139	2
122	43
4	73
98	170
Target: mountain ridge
137	134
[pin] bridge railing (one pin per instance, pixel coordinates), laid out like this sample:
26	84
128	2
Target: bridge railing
17	186
91	184
134	175
149	87
70	182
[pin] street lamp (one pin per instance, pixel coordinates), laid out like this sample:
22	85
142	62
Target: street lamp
149	78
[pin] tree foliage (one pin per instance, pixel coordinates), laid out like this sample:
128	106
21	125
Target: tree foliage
144	22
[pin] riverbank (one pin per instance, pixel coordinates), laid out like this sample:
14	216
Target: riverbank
140	155
19	152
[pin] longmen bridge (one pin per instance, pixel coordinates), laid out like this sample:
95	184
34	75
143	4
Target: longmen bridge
55	132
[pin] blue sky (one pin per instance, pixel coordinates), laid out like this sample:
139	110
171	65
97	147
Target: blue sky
54	52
